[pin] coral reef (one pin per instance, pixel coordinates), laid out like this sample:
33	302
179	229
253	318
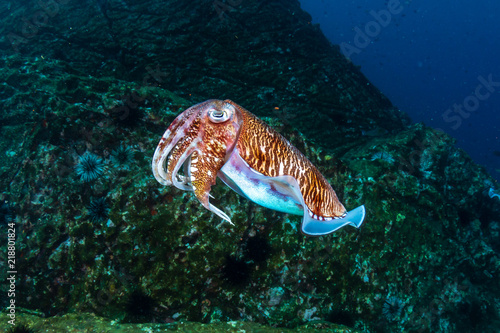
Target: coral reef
235	272
139	307
84	322
117	75
21	329
6	214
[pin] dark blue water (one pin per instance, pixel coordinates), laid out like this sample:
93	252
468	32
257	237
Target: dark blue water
439	61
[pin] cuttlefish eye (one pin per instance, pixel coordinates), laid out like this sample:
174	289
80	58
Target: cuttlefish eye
220	116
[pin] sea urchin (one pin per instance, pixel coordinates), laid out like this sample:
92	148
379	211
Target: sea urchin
392	308
122	157
98	210
90	167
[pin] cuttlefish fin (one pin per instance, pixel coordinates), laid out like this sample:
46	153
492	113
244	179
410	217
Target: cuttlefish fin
203	174
492	193
313	227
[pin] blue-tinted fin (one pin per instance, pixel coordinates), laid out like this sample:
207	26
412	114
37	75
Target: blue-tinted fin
492	194
313	227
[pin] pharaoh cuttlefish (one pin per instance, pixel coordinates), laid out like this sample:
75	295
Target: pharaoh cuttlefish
220	138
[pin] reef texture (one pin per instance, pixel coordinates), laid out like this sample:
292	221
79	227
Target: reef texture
89	323
89	88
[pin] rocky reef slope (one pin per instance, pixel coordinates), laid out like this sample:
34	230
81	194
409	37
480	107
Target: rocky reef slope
99	81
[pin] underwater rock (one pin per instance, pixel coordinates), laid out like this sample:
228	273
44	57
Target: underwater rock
73	84
81	322
265	55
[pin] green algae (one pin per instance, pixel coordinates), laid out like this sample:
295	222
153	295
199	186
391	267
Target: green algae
430	237
164	243
86	323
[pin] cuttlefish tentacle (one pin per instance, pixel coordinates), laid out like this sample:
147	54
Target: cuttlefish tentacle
203	174
175	132
180	158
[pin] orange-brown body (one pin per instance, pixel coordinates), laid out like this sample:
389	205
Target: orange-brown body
221	139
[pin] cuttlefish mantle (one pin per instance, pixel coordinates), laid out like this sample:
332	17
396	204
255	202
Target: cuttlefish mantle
221	139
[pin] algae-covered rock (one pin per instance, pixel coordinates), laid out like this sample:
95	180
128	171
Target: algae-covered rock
114	246
86	323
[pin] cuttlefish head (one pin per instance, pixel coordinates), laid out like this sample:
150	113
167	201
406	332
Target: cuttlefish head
196	146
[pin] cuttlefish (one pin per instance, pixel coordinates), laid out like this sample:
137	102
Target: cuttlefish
221	139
